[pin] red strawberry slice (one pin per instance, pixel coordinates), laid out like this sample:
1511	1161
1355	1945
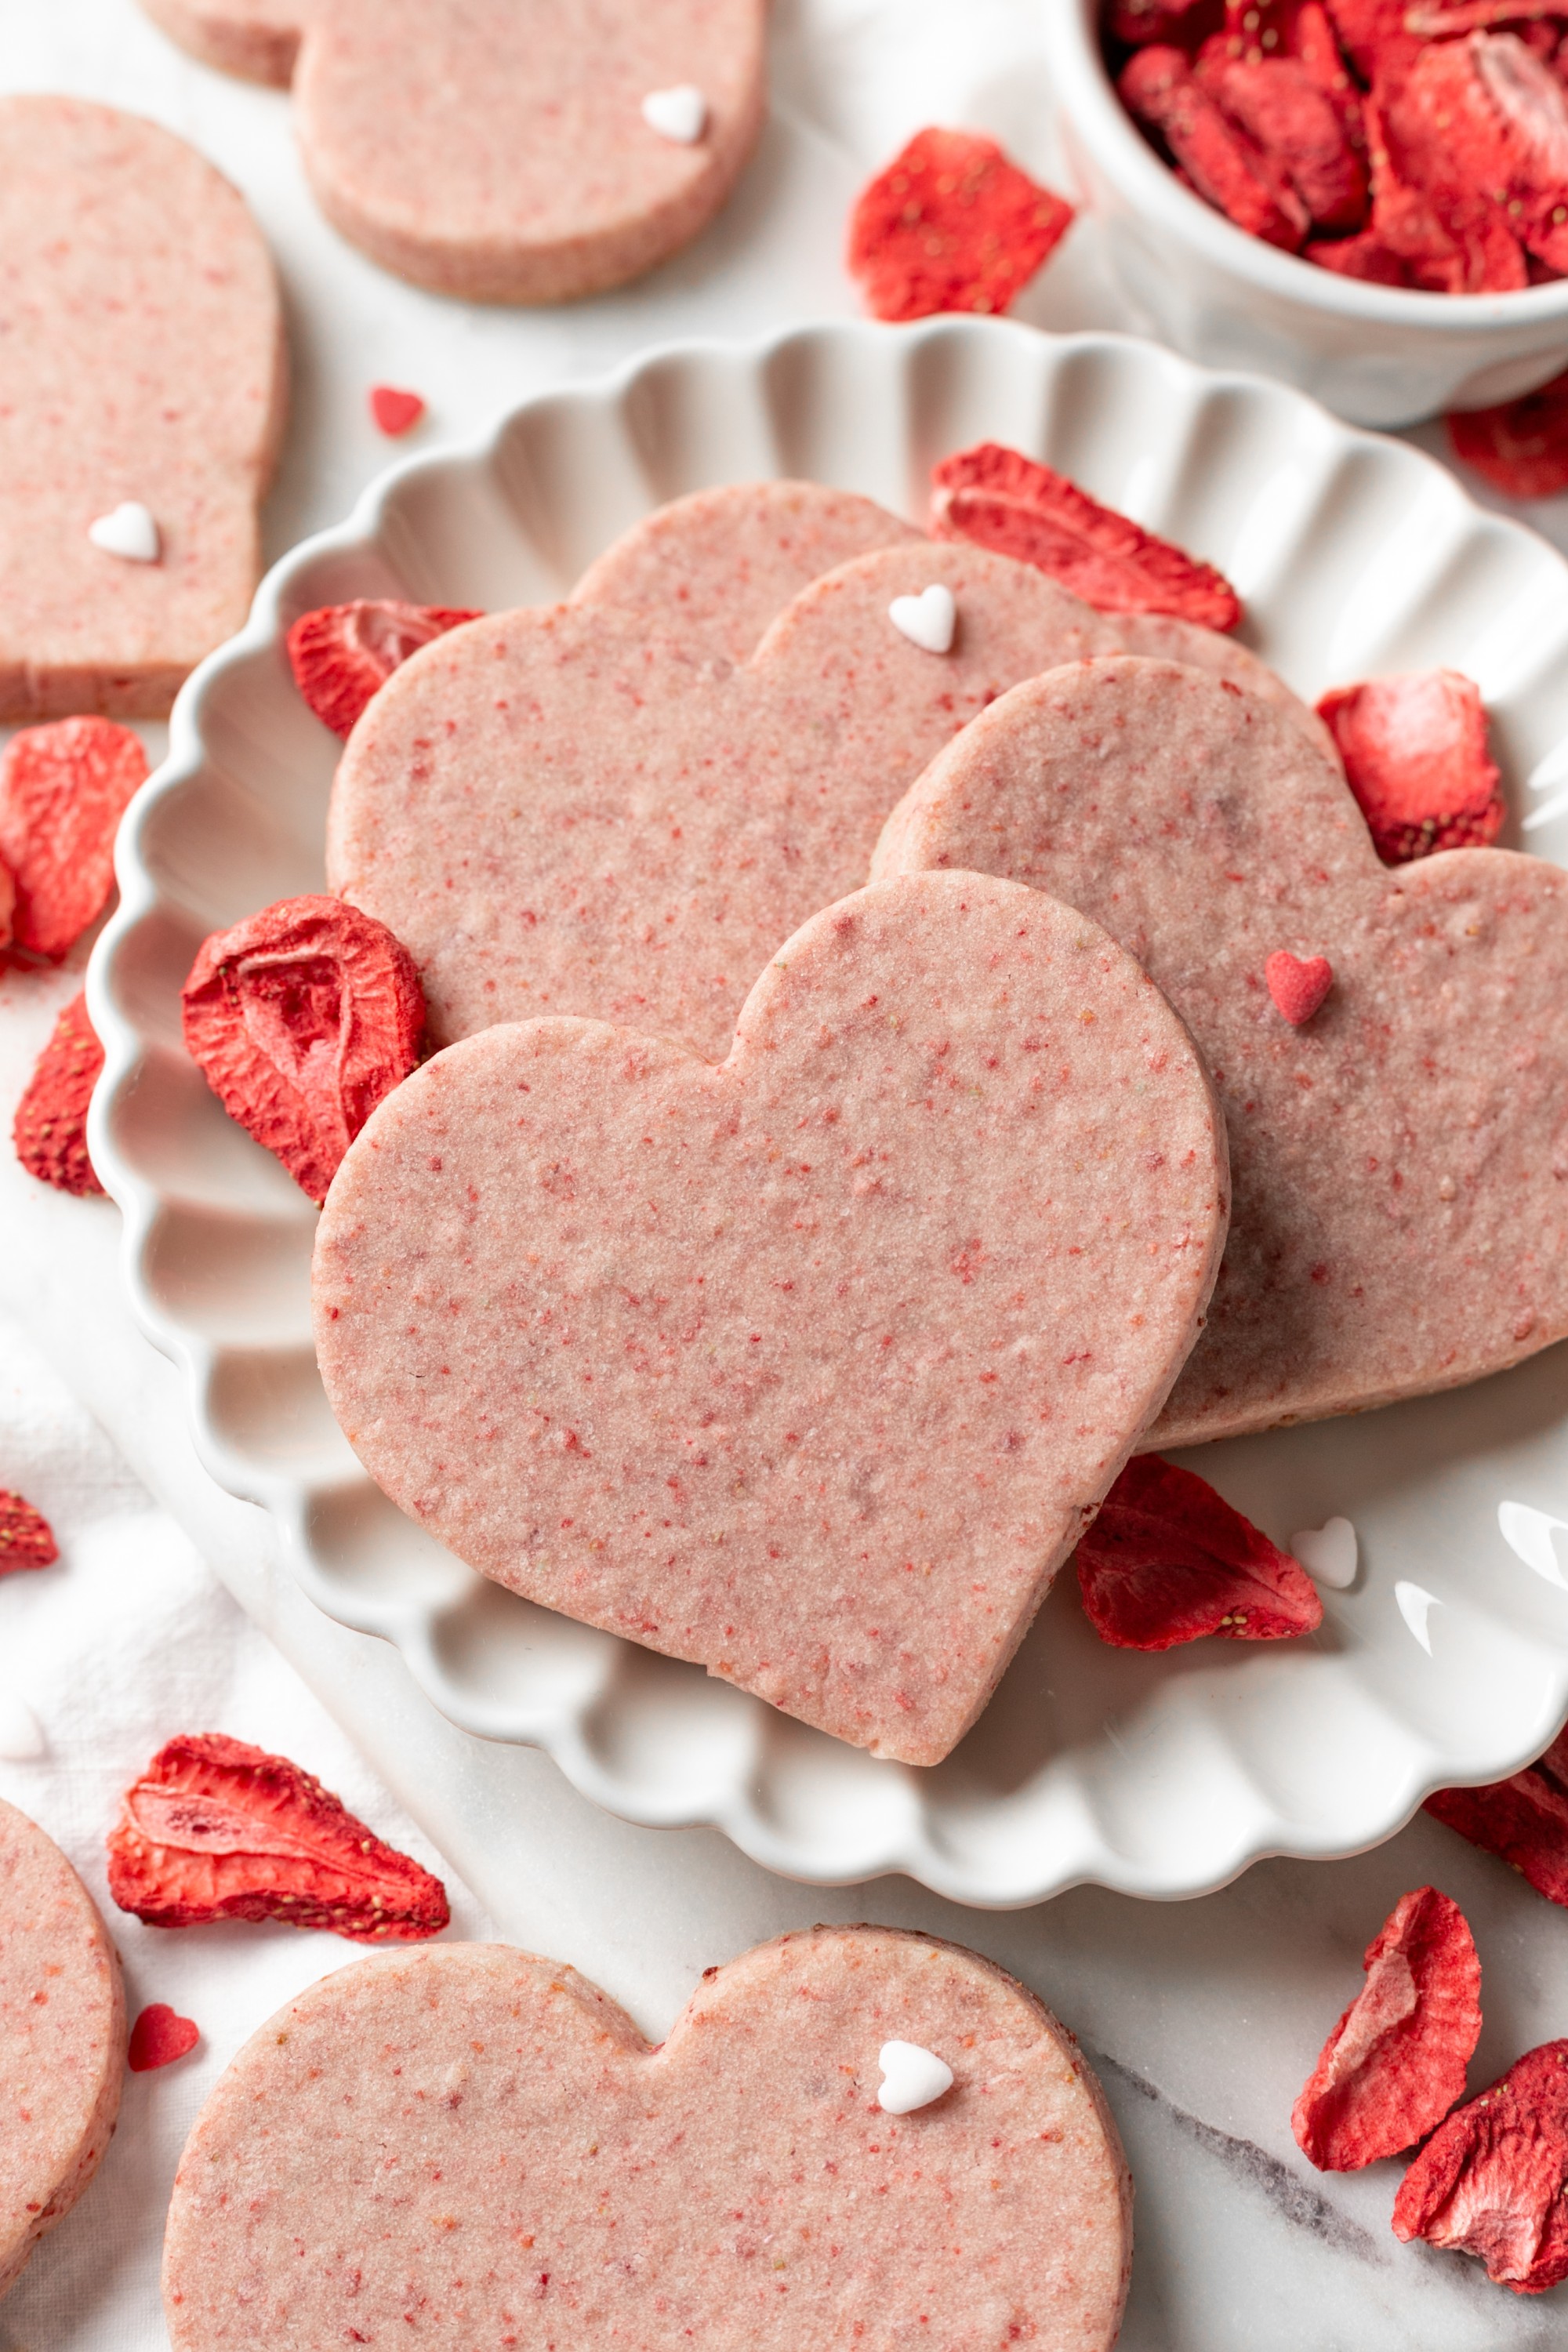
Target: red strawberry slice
341	655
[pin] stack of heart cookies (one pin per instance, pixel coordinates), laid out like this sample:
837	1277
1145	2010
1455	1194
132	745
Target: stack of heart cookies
907	1041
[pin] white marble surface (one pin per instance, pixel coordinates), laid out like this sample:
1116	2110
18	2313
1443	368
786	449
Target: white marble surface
1204	2017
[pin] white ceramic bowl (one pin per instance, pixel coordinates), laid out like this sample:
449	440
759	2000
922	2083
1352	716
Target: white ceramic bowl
1377	354
1164	1776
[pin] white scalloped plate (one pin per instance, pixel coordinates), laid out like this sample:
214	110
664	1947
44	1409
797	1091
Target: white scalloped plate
1161	1776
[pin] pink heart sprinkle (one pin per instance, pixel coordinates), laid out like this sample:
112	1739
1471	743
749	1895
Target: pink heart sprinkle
1298	988
159	2037
394	412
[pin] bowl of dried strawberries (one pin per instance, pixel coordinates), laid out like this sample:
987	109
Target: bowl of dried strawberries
1368	200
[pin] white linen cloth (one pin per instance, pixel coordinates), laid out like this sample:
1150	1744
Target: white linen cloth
130	1639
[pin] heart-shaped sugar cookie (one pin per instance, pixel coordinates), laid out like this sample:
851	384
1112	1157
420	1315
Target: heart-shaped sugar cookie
809	1367
259	39
465	2146
717	568
561	811
1400	1159
62	2038
141	384
506	150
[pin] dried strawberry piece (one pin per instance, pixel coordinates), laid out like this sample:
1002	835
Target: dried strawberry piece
1168	1560
1285	112
1441	20
1415	749
1161	91
1522	446
951	224
1395	2064
1365	256
1453	238
49	1131
1493	2181
63	789
1484	118
1524	1819
1373	36
1007	502
341	655
217	1830
26	1538
301	1019
158	2037
1185	23
1316	43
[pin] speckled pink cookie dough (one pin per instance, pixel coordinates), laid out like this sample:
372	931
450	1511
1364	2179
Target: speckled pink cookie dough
62	2039
559	811
808	1368
465	2146
141	365
498	149
1162	636
1401	1160
717	567
259	39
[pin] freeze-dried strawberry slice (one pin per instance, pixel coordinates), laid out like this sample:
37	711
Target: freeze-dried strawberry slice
342	654
63	790
1374	35
158	2037
1524	1819
1281	107
1314	41
1415	749
49	1131
217	1830
1365	256
1160	90
1484	116
1441	20
1452	237
301	1018
26	1538
1522	446
951	224
1395	2064
1185	23
1493	2181
1011	504
1168	1559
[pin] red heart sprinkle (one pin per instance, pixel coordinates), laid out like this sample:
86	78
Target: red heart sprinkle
1298	988
394	412
159	2037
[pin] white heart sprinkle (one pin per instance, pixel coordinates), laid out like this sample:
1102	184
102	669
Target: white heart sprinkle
927	620
911	2078
22	1737
681	113
129	533
1415	1606
1329	1554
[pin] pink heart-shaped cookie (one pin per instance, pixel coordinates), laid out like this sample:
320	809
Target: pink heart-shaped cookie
259	39
142	384
62	2038
1400	1159
562	811
717	567
809	1367
506	150
466	2147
